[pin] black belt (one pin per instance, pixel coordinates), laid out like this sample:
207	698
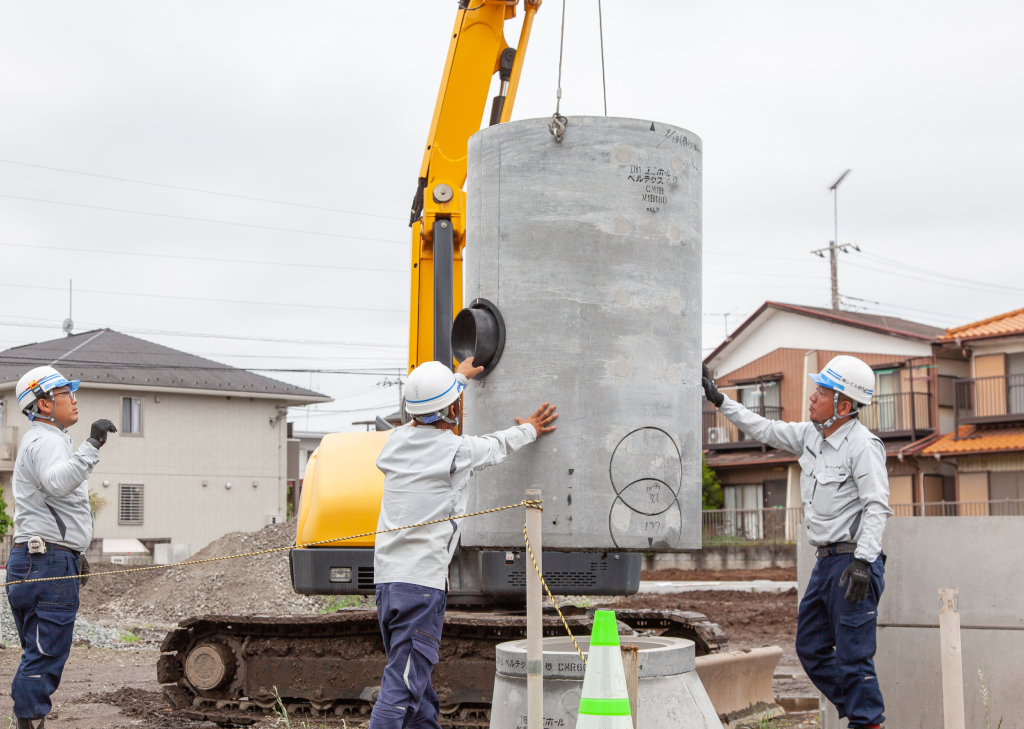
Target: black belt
829	550
51	545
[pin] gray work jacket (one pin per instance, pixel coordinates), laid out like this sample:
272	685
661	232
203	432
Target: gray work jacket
426	475
844	484
51	495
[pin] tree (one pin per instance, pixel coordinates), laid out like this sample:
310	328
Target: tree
711	487
6	522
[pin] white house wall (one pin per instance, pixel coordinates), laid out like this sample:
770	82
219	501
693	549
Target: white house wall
186	439
786	330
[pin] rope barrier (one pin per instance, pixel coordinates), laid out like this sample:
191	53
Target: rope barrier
528	503
524	502
546	589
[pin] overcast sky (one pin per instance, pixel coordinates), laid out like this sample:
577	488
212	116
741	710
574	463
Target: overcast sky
328	104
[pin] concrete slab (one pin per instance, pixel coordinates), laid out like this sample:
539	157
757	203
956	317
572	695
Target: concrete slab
653	587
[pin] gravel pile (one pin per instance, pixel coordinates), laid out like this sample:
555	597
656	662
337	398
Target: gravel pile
259	585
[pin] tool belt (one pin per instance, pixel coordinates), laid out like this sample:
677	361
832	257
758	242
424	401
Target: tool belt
829	550
51	545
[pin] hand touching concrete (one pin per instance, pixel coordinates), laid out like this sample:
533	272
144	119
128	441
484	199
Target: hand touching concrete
539	420
710	391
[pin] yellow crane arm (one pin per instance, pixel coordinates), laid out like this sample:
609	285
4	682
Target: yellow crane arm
476	52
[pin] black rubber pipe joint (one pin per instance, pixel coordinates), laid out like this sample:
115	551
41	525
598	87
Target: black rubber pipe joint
479	332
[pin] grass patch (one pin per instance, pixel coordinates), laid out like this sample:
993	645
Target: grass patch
130	638
334	603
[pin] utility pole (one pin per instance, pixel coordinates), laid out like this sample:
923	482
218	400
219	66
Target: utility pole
833	247
69	325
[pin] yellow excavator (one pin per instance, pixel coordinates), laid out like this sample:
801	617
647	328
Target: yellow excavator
233	669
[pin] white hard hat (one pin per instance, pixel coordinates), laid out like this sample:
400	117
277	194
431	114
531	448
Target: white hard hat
431	387
850	376
38	383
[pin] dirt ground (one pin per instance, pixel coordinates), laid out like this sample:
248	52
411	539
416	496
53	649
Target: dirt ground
778	574
104	688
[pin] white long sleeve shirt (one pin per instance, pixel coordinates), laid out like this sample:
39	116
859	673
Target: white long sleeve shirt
844	484
51	494
426	472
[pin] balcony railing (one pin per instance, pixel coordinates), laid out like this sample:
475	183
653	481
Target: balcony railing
778	525
899	414
990	399
720	433
743	526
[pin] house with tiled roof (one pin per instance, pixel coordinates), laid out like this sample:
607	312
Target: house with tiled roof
987	440
764	365
201	449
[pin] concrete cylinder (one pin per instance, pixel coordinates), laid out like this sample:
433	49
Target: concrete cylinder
670	694
591	250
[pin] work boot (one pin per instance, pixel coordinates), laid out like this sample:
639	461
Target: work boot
38	723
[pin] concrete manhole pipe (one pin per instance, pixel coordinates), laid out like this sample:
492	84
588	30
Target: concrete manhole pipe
670	693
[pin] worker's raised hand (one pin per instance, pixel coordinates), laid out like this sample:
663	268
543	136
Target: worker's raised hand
541	419
710	391
466	368
98	432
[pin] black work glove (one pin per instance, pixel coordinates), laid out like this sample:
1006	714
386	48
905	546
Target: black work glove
100	428
858	574
714	396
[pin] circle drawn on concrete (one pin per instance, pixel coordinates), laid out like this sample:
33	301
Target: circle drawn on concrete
648	496
646	453
631	530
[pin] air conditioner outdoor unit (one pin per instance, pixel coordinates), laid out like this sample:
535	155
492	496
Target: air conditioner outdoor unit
718	435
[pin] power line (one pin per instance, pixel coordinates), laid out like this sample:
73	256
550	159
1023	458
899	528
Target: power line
16	360
215	301
908	308
986	284
203	220
242	337
203	258
986	289
308	413
205	192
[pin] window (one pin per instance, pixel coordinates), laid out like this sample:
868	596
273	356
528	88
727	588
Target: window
131	415
764	398
129	506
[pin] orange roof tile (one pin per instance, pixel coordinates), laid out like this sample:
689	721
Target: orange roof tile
974	440
1012	322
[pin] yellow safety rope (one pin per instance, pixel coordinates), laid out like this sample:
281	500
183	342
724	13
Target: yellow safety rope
524	502
543	582
528	503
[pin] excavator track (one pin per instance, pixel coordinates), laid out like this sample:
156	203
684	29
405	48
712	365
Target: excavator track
236	670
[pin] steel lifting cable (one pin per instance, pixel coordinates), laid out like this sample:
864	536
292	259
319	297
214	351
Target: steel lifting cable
524	502
558	122
600	34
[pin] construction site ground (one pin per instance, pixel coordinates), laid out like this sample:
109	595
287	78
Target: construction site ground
110	678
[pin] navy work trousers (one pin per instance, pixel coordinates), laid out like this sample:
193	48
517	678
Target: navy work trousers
835	640
411	618
45	615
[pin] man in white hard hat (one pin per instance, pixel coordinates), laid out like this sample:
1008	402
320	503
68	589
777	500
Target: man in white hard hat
52	528
845	492
426	470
